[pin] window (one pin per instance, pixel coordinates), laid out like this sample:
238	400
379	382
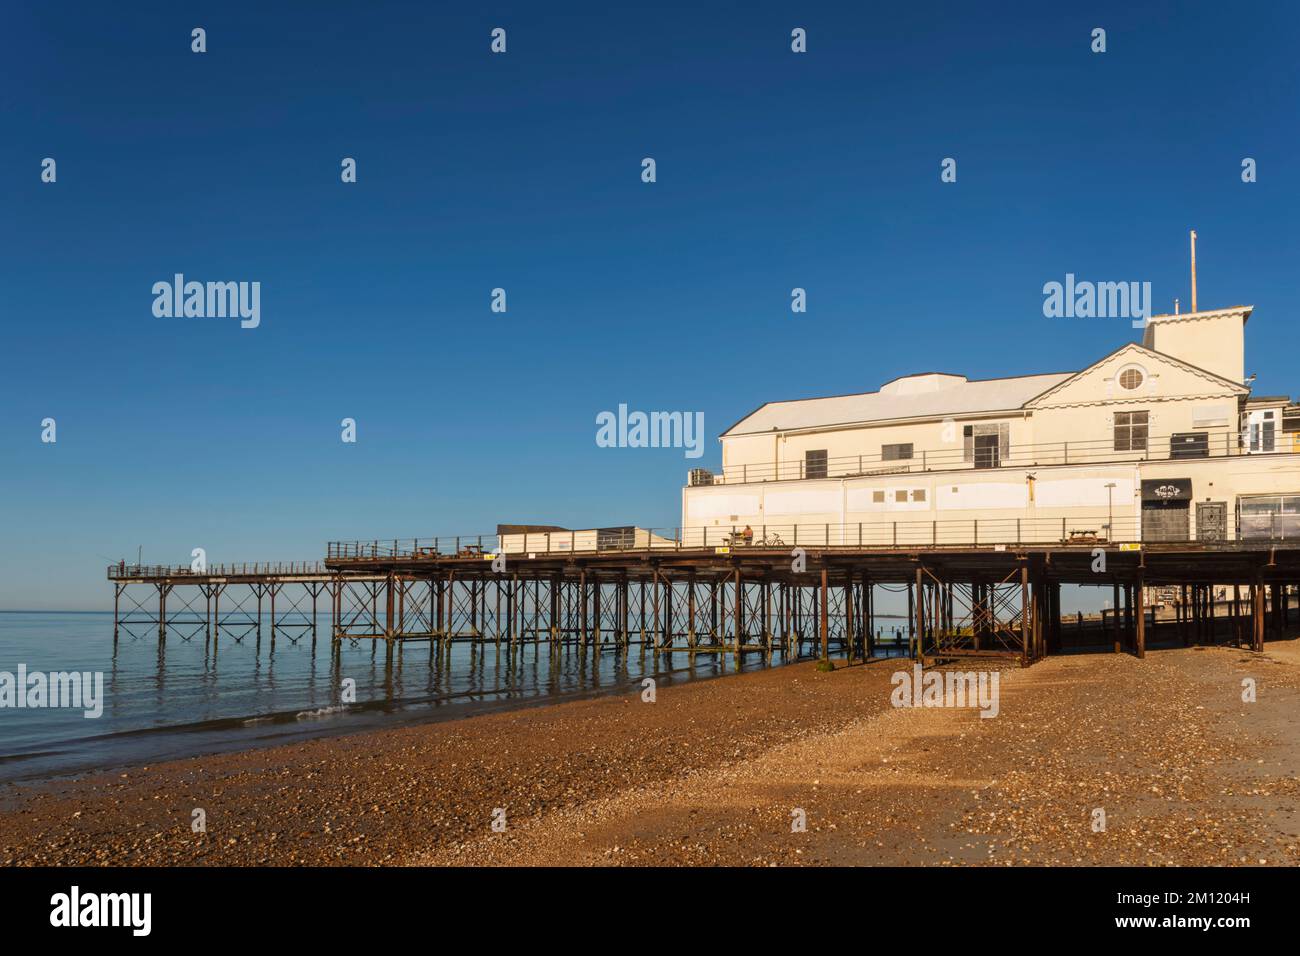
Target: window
900	495
896	452
986	446
1276	517
1131	378
814	464
1291	419
1263	426
1130	431
918	494
1189	445
878	497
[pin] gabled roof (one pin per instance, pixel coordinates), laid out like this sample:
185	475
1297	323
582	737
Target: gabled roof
965	398
1142	350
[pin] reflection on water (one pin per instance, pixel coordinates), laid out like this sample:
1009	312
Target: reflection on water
190	696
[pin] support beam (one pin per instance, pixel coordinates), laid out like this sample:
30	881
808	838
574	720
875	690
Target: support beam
1140	613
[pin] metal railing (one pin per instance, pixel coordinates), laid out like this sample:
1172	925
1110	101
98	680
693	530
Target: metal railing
262	568
1025	455
1097	529
1090	530
464	546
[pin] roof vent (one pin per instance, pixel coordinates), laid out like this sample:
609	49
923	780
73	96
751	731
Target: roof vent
925	382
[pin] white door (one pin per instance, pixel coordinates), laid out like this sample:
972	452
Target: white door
1260	433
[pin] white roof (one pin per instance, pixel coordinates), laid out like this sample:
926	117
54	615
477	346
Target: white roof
933	396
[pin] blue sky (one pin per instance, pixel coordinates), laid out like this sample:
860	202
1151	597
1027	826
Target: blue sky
522	171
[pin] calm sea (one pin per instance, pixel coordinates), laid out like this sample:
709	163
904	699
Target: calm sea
184	698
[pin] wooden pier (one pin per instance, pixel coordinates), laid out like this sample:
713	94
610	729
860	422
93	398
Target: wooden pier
964	601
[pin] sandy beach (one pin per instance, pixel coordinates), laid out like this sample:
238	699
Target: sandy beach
716	772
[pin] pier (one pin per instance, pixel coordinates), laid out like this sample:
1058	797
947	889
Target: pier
668	592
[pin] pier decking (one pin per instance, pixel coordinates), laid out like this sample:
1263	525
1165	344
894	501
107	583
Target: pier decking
667	592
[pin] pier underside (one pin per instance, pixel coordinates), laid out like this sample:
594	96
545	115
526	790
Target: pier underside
961	602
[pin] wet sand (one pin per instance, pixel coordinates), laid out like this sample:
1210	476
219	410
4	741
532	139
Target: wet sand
713	772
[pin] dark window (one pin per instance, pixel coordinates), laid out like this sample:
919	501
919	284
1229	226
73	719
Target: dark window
987	451
1130	431
896	452
986	446
1291	419
814	464
1190	445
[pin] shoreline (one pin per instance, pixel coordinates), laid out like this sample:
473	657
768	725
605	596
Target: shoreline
352	719
718	764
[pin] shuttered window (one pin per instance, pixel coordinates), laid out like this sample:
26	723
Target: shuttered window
898	452
814	464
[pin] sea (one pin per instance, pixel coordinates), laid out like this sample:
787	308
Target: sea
183	698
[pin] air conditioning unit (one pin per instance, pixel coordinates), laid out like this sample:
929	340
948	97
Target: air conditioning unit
700	476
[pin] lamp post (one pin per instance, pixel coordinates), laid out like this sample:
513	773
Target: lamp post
1110	512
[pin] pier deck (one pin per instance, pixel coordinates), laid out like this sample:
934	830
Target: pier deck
964	600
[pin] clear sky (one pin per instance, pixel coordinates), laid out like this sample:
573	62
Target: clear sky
523	171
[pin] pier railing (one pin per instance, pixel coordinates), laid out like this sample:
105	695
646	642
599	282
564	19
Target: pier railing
956	456
1087	530
122	570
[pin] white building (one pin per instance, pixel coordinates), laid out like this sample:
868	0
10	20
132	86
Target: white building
1158	441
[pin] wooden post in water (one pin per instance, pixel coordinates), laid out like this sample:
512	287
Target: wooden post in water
216	614
739	622
641	614
624	609
582	608
714	636
690	609
654	586
766	588
388	607
824	623
162	613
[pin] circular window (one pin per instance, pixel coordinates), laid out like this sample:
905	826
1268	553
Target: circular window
1131	378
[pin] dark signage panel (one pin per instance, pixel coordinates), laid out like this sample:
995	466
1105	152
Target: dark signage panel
1167	489
1190	445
